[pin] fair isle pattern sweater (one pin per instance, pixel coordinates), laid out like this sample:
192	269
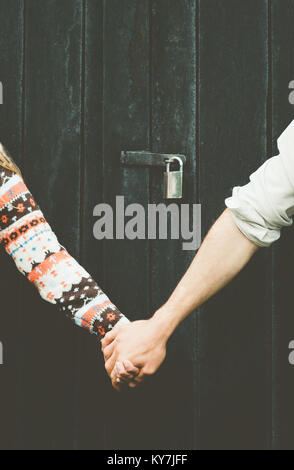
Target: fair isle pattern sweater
60	280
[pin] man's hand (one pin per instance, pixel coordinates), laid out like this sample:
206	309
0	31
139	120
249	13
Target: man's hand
139	346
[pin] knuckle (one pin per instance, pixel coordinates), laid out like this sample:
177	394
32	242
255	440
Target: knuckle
149	371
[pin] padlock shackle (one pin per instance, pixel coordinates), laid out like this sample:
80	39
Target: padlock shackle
172	159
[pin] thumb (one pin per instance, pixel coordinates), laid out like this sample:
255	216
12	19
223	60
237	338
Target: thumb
109	337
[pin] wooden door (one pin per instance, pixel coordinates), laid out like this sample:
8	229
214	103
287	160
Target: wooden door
82	81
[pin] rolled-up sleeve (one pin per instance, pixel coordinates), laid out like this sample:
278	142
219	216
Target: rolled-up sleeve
266	204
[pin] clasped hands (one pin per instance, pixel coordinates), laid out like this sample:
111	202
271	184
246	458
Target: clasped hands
135	351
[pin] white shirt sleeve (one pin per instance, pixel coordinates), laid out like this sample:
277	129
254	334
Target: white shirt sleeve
266	204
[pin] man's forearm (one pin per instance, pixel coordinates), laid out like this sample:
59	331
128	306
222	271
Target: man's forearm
223	253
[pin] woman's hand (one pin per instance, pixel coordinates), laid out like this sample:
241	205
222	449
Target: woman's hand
138	348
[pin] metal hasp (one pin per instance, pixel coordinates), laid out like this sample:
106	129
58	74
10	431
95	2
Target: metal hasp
145	158
172	180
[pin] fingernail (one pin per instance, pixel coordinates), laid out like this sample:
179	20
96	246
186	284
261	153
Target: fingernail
117	381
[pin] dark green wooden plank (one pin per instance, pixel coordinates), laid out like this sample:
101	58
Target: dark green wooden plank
234	326
11	58
173	82
51	167
125	127
283	324
91	383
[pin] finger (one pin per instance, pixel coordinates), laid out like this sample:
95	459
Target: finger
121	372
108	350
108	338
116	382
114	377
109	364
116	385
137	380
130	368
135	384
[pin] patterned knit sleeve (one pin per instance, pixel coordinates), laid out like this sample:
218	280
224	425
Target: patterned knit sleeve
59	278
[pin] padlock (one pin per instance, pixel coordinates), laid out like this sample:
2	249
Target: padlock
173	180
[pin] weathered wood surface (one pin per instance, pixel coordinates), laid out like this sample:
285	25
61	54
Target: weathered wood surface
84	80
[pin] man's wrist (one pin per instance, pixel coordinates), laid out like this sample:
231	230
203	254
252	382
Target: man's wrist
166	319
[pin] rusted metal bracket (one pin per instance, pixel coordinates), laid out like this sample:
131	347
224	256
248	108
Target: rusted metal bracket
145	158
